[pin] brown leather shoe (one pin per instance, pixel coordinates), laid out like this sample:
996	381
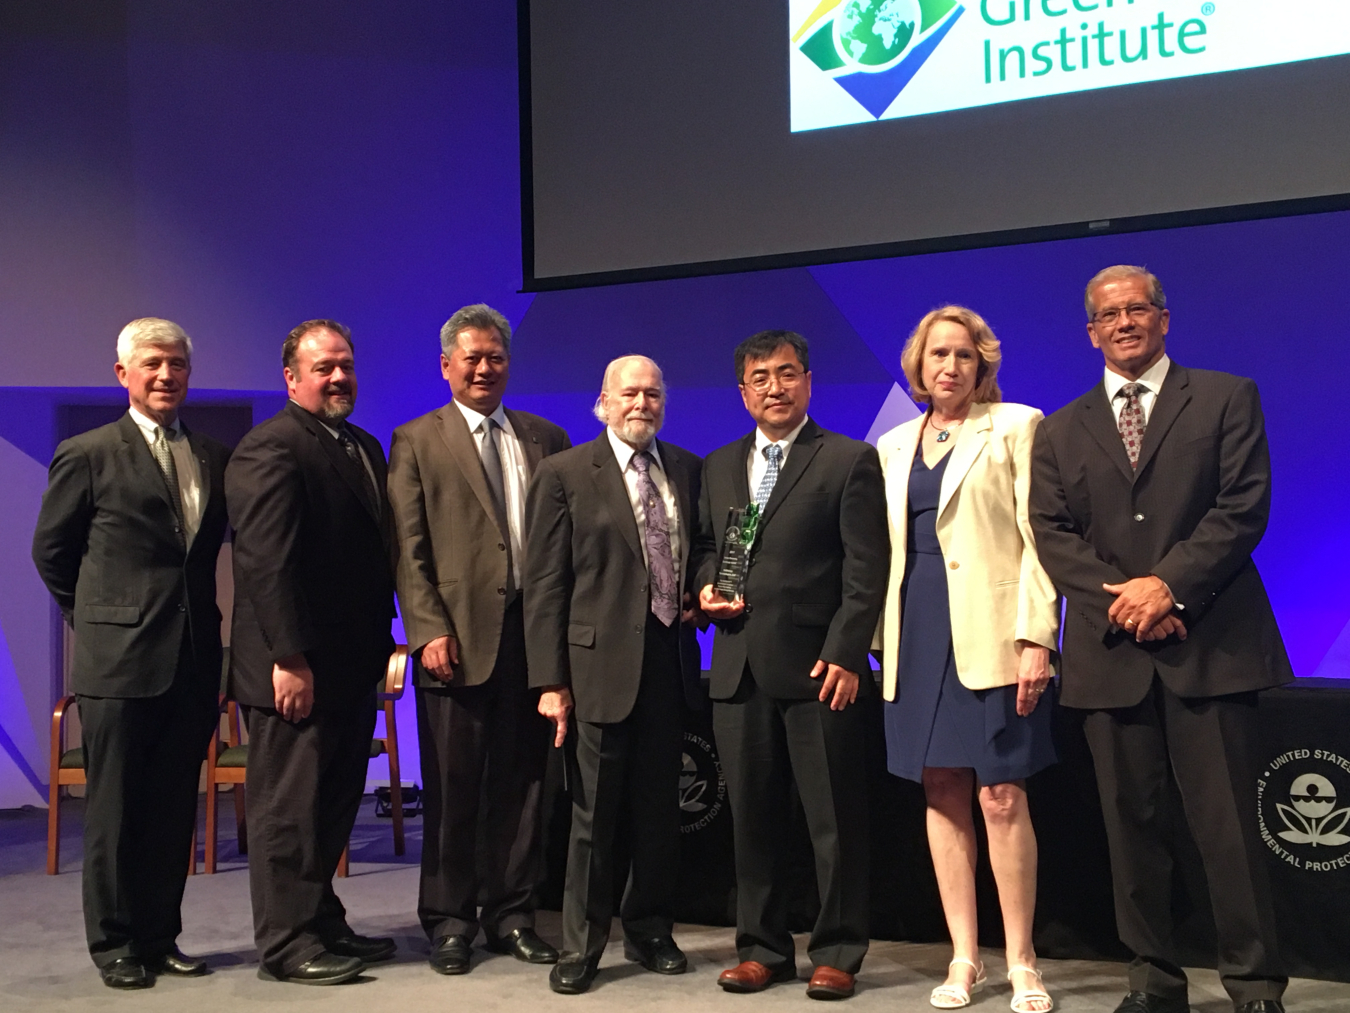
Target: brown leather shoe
830	983
752	976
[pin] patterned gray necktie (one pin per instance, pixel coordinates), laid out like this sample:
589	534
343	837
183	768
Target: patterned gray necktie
660	560
354	452
1131	422
496	479
164	458
774	453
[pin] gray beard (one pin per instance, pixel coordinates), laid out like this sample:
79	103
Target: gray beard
335	412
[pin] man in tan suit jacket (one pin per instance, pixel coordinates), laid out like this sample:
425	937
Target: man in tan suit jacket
457	481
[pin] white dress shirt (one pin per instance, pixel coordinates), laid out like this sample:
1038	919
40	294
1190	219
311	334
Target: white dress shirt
623	453
185	462
1150	384
515	478
759	464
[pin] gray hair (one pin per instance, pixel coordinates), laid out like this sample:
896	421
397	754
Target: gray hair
612	370
1120	272
479	315
150	331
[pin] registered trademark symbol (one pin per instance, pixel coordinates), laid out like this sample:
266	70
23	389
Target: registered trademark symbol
1207	9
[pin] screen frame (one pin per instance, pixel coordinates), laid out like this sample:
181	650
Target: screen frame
873	251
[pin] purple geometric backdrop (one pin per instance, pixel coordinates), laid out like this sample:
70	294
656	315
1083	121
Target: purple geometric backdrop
239	167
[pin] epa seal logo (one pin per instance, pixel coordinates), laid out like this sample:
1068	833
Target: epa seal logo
1303	806
703	793
873	48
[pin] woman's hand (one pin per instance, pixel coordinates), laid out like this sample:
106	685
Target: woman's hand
1033	676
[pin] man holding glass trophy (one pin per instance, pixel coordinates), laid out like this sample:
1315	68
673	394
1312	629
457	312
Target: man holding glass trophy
792	555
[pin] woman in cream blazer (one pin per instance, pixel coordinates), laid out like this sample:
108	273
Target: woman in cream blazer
970	623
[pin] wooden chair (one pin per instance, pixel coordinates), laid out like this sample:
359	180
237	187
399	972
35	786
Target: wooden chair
228	765
67	768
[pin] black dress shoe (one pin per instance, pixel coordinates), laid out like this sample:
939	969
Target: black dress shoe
523	944
660	954
125	972
367	949
176	962
1261	1006
451	955
573	973
325	969
1147	1002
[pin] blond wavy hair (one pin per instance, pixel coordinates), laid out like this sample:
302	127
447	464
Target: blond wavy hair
986	374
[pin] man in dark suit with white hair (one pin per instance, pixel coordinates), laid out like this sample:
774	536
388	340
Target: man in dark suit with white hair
126	541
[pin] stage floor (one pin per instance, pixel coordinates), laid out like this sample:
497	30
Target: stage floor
44	964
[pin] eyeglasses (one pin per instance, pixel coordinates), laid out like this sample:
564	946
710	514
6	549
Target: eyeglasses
1136	311
760	382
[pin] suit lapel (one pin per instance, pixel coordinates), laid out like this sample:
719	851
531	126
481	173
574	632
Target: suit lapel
203	465
332	449
804	449
1173	397
143	462
970	443
454	431
529	442
902	463
741	477
1095	412
613	493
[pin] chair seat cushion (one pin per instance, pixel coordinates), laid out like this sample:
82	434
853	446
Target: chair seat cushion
72	758
234	756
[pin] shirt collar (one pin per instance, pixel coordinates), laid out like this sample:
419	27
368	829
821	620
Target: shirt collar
623	453
762	441
1152	380
475	418
147	424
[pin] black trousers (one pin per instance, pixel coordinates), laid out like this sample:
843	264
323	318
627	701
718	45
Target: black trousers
625	782
484	750
1208	746
305	781
143	758
765	744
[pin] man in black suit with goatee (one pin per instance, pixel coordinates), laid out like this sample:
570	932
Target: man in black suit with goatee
314	598
1148	495
609	526
126	541
790	661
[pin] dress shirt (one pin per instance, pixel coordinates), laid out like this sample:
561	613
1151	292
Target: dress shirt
1149	385
185	462
515	479
623	453
759	464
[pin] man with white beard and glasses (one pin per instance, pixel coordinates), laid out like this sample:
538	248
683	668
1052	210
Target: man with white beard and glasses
609	526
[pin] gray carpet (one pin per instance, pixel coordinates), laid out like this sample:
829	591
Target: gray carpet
44	965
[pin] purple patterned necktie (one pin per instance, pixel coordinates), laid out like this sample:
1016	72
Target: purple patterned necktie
1131	422
660	562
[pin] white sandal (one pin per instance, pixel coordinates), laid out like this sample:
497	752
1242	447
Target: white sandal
954	996
1021	1001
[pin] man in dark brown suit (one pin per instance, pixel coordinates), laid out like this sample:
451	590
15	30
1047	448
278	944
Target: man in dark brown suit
457	481
1148	495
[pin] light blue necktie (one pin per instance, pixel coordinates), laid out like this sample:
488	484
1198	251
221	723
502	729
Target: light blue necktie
774	453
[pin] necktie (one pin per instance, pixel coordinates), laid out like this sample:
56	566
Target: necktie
774	453
354	452
496	479
1131	423
660	561
164	458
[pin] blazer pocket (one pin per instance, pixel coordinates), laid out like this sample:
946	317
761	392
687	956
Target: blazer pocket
448	583
118	615
1008	583
812	615
581	634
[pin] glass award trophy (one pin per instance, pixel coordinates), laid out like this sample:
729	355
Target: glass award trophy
734	564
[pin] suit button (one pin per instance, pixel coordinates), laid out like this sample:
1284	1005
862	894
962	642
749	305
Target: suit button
501	590
501	546
954	565
637	629
182	608
749	609
1139	517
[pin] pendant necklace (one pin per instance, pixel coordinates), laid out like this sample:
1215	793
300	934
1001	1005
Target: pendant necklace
943	435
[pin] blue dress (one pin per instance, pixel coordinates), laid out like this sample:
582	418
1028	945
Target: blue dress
935	721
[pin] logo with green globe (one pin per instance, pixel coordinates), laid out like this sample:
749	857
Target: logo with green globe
873	48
